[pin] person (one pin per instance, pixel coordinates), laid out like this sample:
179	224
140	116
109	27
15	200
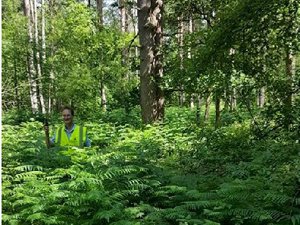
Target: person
70	134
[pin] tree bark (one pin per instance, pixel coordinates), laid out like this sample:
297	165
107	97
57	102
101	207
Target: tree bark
38	58
103	96
180	44
123	16
233	100
218	109
207	108
52	101
30	63
100	11
16	84
198	112
290	71
102	85
261	97
151	70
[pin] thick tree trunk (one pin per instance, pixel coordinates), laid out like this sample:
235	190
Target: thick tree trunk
30	63
151	70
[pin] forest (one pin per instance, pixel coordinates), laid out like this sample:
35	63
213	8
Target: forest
192	108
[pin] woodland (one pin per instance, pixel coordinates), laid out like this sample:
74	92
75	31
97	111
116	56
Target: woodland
192	108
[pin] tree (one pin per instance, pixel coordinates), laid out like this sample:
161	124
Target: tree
151	70
32	75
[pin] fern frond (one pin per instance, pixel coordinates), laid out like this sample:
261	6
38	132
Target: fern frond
258	215
25	168
195	205
277	198
297	201
29	174
295	219
195	194
105	214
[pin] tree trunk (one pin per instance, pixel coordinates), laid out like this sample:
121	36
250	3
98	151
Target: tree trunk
151	70
100	11
180	44
102	85
192	102
261	97
233	100
16	86
52	101
290	71
37	64
122	8
103	96
30	63
218	109
198	113
207	108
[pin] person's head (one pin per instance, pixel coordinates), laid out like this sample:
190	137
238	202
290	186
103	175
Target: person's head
67	114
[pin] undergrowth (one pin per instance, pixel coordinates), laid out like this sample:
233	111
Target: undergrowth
169	173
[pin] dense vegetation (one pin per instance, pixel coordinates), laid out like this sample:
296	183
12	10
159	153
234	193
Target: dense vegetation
170	173
192	107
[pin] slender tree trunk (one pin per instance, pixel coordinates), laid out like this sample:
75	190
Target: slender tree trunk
30	62
218	109
151	70
180	44
124	29
16	84
189	55
100	11
122	9
192	101
261	97
198	113
207	108
233	100
102	85
52	101
37	56
290	71
103	96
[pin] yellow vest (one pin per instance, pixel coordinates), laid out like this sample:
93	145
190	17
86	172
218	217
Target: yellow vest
77	138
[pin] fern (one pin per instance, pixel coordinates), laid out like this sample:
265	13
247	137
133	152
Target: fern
295	219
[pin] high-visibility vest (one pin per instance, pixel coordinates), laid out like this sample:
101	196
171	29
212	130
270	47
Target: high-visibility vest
77	138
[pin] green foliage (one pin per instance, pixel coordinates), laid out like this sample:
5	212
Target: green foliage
172	173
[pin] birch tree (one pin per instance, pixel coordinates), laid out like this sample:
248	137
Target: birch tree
31	73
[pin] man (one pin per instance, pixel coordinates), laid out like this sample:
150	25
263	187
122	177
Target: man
70	134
